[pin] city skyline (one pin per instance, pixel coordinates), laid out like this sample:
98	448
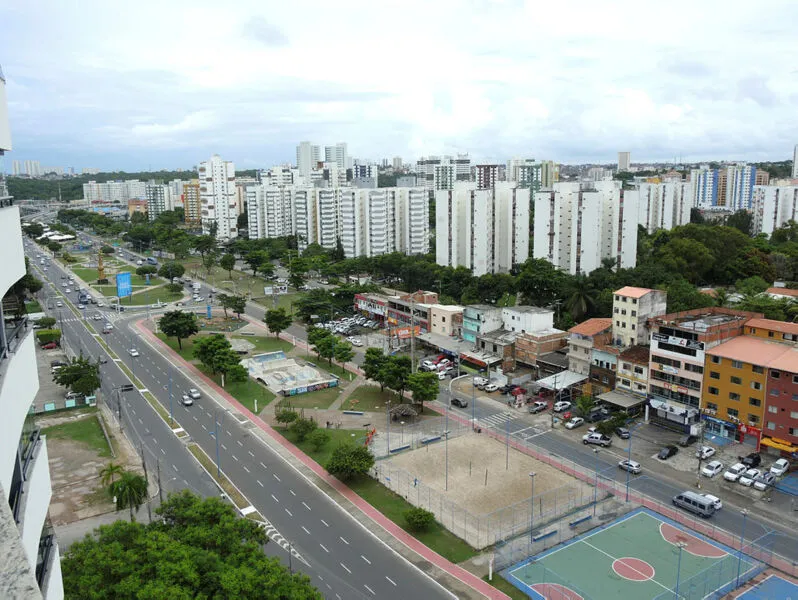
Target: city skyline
599	81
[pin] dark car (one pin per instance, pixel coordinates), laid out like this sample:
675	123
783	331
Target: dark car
598	415
623	433
752	460
686	440
459	402
667	452
506	389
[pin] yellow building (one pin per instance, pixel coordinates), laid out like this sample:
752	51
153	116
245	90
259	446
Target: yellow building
191	201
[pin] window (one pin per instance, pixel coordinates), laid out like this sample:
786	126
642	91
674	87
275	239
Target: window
627	366
794	414
634	300
623	311
736	380
667	361
753	329
638	370
795	378
793	431
626	382
634	313
795	397
774	393
716	360
617	298
758	370
770	334
616	310
732	412
714	375
734	396
773	409
712	406
693	368
713	390
755	385
737	364
754	401
771	426
775	374
634	326
753	419
617	323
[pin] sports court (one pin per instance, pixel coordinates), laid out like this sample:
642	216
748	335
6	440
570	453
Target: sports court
286	376
636	556
771	588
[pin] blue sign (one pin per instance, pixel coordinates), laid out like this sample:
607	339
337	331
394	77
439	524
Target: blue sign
123	285
209	311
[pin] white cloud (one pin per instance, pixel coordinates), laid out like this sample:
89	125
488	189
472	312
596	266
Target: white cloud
573	80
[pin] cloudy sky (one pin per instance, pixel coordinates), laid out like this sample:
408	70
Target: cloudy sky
145	84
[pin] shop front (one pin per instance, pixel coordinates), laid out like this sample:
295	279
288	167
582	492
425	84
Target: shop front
726	431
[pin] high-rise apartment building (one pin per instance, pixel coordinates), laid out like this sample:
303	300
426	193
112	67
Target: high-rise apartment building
159	199
397	163
772	206
33	168
624	161
739	186
575	228
270	211
440	173
484	230
444	176
705	186
192	204
308	156
339	155
115	191
486	176
218	197
281	176
665	205
526	172
549	174
17	168
30	566
795	162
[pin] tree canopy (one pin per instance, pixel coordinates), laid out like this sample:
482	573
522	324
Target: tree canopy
179	324
81	376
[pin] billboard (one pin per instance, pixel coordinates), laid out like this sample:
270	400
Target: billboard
123	285
275	289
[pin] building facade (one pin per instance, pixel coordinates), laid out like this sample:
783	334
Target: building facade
665	205
159	199
479	319
308	157
270	211
582	338
192	204
624	161
632	307
486	176
739	186
218	197
772	206
705	187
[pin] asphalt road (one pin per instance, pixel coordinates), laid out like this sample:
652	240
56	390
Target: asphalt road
343	558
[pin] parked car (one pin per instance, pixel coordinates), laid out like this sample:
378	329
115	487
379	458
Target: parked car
73	396
597	438
734	472
50	346
687	440
704	452
491	387
630	465
186	400
427	365
133	352
712	468
668	451
598	414
59	304
506	389
537	407
574	423
752	460
479	381
442	375
764	481
748	478
623	433
356	342
561	406
715	501
459	402
780	467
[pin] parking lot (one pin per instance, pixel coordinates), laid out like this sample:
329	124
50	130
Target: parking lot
352	328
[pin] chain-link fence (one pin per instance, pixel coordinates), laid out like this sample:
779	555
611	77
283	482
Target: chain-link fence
403	436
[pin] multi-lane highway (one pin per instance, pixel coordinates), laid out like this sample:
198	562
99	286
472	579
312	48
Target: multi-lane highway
343	558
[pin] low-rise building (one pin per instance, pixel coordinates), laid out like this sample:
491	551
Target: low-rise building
136	206
522	319
446	320
782	293
633	370
632	307
479	319
582	339
499	343
530	346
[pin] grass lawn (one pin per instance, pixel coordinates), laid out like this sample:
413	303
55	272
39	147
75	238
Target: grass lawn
153	295
266	344
317	399
86	430
283	300
368	398
33	306
501	584
186	352
388	503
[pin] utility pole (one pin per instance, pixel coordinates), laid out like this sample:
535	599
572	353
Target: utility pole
412	334
160	489
144	464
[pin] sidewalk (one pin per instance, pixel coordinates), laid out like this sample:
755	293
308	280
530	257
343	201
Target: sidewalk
453	577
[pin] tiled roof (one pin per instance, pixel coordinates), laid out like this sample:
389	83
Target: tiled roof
750	349
632	292
782	292
788	361
772	324
636	354
591	327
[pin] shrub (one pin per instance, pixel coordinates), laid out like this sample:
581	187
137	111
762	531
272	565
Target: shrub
418	519
45	336
350	460
318	438
175	288
286	416
107	250
302	428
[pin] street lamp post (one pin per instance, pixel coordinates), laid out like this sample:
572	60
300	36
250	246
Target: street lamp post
171	409
446	442
629	458
595	489
402	423
679	569
744	512
532	475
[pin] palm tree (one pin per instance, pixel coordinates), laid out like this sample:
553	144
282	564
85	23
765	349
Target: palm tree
722	297
580	297
109	473
584	404
130	492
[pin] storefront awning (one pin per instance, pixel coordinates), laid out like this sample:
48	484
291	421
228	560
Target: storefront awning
777	445
560	381
623	400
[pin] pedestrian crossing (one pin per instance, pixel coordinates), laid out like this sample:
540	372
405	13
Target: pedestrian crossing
498	420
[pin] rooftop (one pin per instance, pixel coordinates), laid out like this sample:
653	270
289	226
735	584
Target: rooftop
591	327
788	361
632	292
481	307
636	354
773	325
528	309
751	350
780	291
702	319
499	336
449	307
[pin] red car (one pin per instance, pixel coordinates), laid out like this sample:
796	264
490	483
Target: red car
50	346
438	359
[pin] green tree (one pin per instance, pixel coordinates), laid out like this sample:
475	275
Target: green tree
419	519
277	320
343	352
255	260
226	300
742	220
266	268
105	249
302	428
205	245
350	460
228	263
145	270
584	404
425	387
179	324
285	416
209	262
238	304
318	438
130	491
296	280
46	322
216	354
198	548
109	473
171	269
751	285
580	297
373	363
81	376
395	374
325	347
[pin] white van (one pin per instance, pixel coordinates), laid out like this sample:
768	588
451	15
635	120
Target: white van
695	503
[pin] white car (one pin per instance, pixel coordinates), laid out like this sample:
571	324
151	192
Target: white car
712	468
480	381
59	304
108	326
63	285
561	406
133	352
186	400
194	393
574	423
97	317
780	467
68	291
765	481
749	477
733	473
715	501
442	375
704	452
491	387
356	342
100	304
630	465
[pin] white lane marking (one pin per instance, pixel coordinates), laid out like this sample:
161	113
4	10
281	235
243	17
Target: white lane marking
369	589
140	421
305	505
175	468
245	467
262	465
163	451
391	580
323	548
224	447
195	418
326	524
338	596
346	568
292	492
275	498
368	562
289	512
305	529
239	443
259	483
155	440
343	540
235	458
275	476
251	453
228	433
205	428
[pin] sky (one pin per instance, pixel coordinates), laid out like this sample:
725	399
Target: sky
160	85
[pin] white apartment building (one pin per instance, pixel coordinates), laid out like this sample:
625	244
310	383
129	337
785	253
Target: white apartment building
33	168
795	162
281	176
270	211
484	230
576	228
486	176
339	155
397	163
328	217
631	309
159	199
308	156
624	161
772	206
526	172
705	186
412	215
444	176
665	205
192	204
598	174
176	188
368	222
526	319
440	173
740	180
305	217
17	168
30	566
218	197
115	191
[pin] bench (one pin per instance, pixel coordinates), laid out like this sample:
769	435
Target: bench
399	448
543	536
353	412
580	520
429	440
